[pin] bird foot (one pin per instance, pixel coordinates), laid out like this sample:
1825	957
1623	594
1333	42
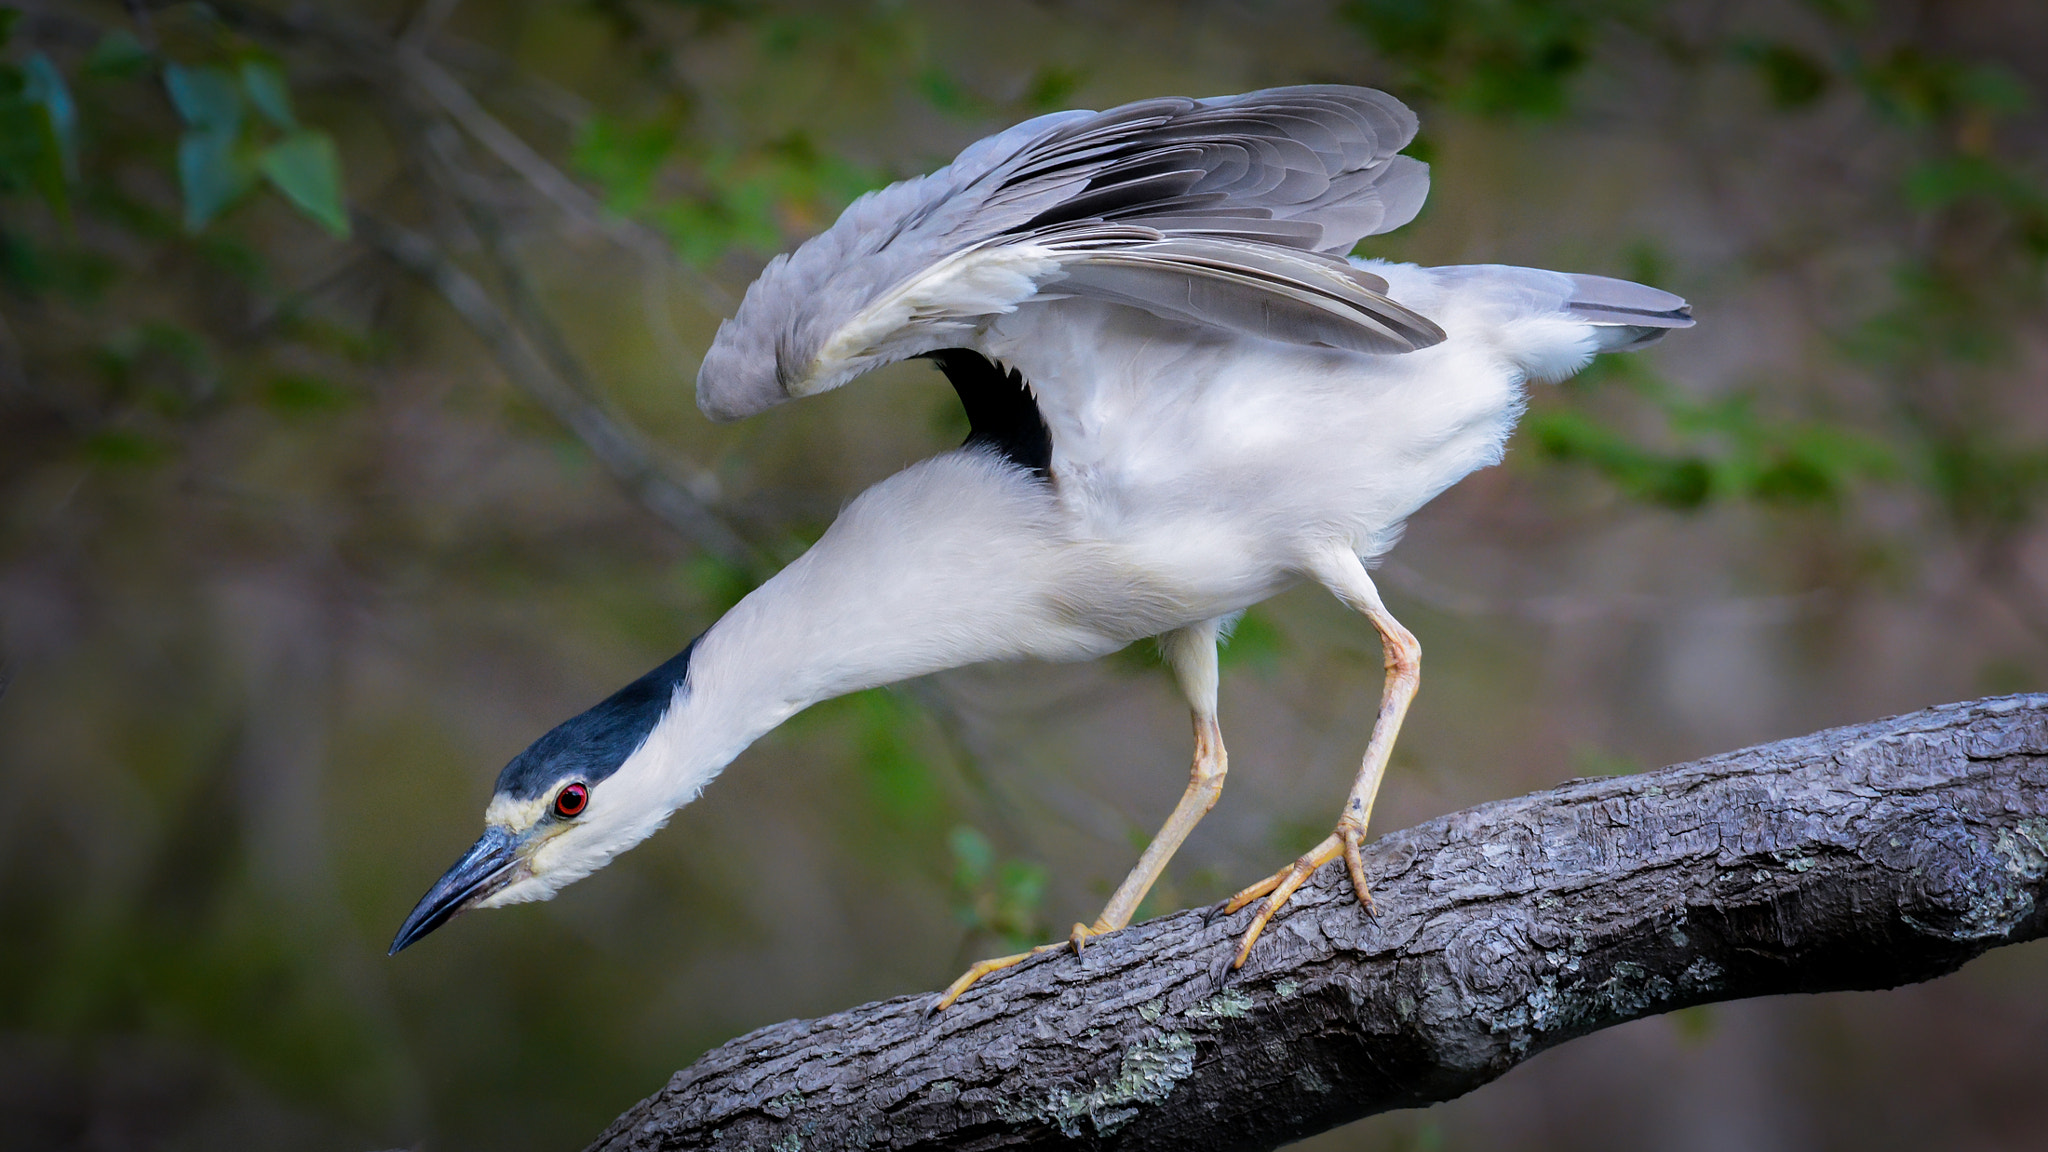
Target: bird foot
1076	939
1280	886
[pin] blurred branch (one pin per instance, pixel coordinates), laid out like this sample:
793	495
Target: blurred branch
509	147
1857	858
532	322
616	447
522	336
551	182
425	22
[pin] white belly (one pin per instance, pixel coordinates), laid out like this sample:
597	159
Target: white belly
1208	467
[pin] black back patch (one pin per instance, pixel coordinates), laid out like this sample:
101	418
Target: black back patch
1001	412
591	746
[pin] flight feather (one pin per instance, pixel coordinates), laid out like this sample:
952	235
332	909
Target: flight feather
1234	212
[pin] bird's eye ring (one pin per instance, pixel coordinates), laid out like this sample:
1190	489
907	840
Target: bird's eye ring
571	800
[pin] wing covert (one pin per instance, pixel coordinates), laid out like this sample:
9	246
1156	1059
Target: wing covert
1234	212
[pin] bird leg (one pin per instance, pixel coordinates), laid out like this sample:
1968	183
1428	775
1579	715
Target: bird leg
1192	653
1346	576
1205	784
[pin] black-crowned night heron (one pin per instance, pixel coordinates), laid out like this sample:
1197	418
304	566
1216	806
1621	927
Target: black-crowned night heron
1183	398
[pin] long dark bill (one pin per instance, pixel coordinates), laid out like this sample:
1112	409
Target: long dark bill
487	866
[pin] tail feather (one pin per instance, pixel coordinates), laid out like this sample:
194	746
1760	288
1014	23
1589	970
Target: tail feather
1629	314
1598	313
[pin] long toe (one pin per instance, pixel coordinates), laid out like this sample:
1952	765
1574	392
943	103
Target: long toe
1247	895
980	969
1074	940
1278	889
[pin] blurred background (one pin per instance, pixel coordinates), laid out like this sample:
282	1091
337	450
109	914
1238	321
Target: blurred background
347	444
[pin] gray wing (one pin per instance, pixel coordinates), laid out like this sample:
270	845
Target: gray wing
1233	212
1635	313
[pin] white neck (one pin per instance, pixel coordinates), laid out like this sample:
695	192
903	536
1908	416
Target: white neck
946	563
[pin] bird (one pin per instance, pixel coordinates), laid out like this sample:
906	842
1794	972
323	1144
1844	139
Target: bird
1184	396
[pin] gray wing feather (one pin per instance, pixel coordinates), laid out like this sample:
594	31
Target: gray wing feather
1605	300
1294	297
1629	315
1284	153
1235	211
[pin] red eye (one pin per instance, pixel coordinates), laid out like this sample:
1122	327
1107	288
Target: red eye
571	801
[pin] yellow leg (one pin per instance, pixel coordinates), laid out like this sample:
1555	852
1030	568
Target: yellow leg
1192	653
1344	575
1205	784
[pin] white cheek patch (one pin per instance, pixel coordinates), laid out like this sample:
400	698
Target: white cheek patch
518	815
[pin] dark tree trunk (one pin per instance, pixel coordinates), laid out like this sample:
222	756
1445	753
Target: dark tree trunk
1862	857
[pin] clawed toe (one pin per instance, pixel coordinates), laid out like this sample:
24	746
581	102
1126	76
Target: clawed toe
1075	940
1352	836
1281	886
1277	889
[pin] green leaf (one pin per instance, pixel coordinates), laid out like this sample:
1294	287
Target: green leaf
942	91
1497	57
1992	88
307	169
1254	642
120	447
212	175
1051	87
44	86
206	98
299	394
973	856
34	268
267	91
118	55
898	779
1695	1025
625	159
1941	182
998	897
719	583
31	155
1793	78
48	175
1683	482
1843	13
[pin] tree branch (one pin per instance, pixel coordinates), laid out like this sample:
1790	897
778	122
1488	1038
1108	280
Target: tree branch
616	447
1861	857
524	338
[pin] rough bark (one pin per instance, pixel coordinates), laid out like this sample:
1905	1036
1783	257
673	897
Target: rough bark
1862	857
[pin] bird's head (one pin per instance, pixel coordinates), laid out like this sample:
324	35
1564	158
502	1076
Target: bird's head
591	788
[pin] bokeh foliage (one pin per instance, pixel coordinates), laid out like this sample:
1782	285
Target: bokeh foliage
332	327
